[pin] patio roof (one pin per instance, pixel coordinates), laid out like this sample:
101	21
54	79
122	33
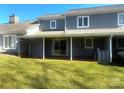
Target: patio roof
78	33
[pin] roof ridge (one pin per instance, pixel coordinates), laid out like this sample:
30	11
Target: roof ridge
96	7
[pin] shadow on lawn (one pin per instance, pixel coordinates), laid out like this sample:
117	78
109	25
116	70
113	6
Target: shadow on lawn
121	64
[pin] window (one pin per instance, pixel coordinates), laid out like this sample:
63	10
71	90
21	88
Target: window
121	19
52	24
120	43
9	41
88	43
82	21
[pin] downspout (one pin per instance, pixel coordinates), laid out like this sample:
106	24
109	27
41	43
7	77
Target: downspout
110	47
65	22
43	48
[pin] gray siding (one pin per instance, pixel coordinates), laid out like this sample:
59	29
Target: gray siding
95	21
45	25
48	48
115	50
36	48
78	47
24	48
80	51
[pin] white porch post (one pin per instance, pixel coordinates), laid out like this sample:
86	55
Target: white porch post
43	48
71	55
110	47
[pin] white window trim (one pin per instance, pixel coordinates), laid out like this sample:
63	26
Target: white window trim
91	44
82	25
118	19
4	41
53	47
51	24
117	43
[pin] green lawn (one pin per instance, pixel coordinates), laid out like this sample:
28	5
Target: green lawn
35	73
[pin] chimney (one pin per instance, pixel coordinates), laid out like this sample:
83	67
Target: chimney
13	19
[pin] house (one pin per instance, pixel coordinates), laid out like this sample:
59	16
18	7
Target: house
88	33
10	32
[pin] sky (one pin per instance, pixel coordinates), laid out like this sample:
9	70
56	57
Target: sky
32	11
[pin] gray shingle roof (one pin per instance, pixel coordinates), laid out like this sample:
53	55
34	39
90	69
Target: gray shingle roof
96	10
52	16
16	28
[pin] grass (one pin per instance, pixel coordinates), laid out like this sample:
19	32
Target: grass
35	73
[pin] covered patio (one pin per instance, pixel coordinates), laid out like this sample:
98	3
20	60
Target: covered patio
70	48
74	44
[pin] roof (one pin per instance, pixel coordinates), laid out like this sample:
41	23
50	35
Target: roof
16	28
96	10
86	11
79	33
52	16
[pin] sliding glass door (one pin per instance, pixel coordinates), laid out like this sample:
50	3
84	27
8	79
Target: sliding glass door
60	47
56	47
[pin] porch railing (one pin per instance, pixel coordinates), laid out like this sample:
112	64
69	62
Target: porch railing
103	56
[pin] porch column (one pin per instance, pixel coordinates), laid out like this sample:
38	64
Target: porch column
43	48
110	47
71	55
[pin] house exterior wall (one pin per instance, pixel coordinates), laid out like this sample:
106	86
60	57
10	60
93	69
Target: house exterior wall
48	47
78	47
108	20
95	21
36	48
100	43
9	51
80	51
23	48
45	25
114	46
